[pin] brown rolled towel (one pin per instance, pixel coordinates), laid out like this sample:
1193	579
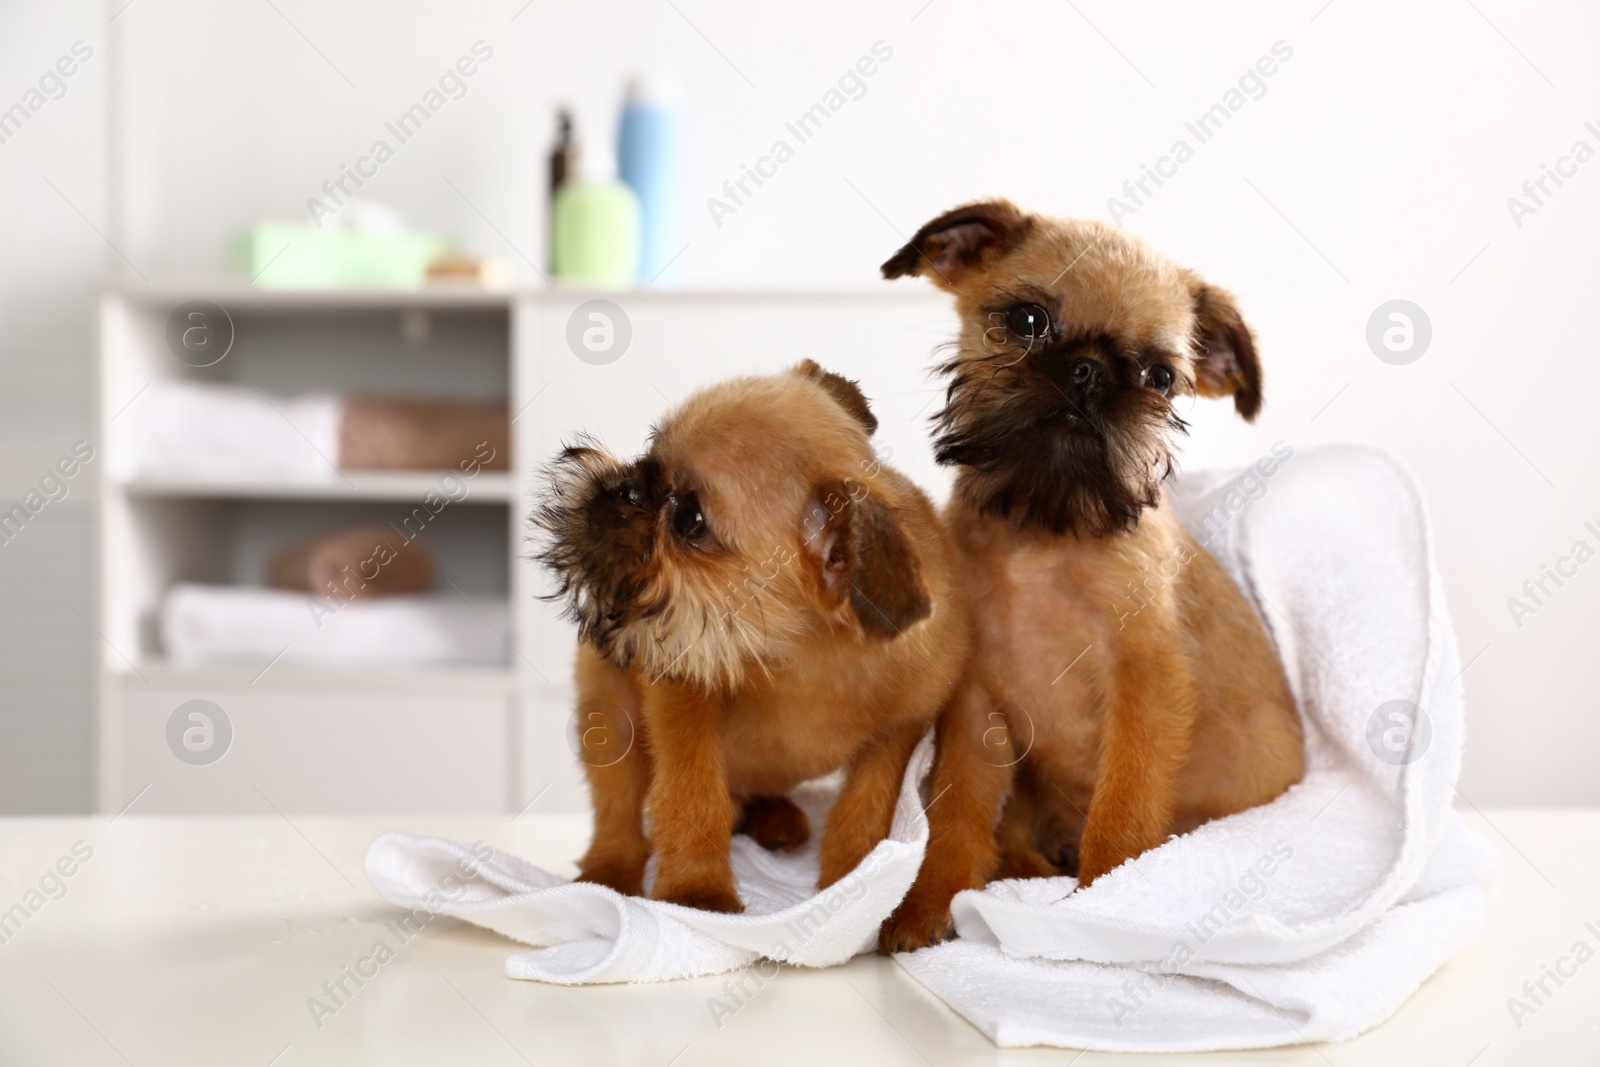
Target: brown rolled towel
395	433
354	564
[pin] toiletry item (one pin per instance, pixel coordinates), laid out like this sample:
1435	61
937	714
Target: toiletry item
563	165
650	159
490	272
595	225
564	156
366	245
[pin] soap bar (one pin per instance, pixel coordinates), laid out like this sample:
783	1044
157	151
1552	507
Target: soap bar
490	272
281	255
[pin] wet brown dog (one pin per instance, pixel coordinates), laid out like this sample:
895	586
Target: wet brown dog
760	602
1121	688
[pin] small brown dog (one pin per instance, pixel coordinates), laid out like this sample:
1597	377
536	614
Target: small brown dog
1120	681
759	602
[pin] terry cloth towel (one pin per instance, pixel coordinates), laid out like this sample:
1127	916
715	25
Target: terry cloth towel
583	933
202	430
1311	918
404	433
238	624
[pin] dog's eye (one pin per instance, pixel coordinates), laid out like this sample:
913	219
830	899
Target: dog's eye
1158	376
1028	322
629	491
688	518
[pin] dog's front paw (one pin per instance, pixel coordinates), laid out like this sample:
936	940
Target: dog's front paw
776	823
909	929
702	897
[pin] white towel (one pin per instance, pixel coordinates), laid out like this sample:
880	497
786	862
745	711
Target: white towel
1308	919
585	933
201	430
242	624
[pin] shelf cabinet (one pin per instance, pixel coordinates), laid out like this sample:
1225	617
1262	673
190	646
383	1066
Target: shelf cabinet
356	739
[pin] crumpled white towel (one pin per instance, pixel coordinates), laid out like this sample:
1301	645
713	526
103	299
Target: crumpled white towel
585	933
1308	919
1311	918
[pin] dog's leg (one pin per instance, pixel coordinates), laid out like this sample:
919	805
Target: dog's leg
691	813
860	818
969	781
616	762
777	824
1152	701
1017	835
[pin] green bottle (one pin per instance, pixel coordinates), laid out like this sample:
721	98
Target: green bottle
595	225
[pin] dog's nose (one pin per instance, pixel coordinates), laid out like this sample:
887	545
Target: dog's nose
1086	375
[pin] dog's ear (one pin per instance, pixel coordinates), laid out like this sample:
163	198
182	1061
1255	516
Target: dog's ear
866	557
958	240
1225	349
842	389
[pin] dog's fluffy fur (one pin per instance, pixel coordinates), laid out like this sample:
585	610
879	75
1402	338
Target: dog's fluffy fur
1136	693
759	602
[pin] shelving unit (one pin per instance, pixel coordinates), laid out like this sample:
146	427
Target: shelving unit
356	485
355	739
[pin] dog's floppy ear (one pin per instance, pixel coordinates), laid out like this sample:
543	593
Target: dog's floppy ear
958	240
842	389
1225	349
866	558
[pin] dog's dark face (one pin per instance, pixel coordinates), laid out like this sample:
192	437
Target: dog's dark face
756	521
1075	341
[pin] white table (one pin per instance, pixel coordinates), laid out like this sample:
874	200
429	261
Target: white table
199	941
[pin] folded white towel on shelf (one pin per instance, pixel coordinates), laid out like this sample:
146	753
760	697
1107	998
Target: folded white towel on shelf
241	624
1311	918
203	430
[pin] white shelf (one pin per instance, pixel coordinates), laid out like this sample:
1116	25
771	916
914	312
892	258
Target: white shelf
485	488
289	678
235	293
328	738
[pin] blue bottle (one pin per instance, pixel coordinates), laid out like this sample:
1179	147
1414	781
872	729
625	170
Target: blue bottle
650	160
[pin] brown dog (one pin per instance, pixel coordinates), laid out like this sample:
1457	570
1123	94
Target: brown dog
760	602
1119	680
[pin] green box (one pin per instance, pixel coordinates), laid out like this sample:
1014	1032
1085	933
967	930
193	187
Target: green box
284	255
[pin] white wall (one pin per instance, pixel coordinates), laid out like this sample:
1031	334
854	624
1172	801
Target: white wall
1376	166
53	184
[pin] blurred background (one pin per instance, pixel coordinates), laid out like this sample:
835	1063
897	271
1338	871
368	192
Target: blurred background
178	477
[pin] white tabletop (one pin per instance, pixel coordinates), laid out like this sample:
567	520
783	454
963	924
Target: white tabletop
199	941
